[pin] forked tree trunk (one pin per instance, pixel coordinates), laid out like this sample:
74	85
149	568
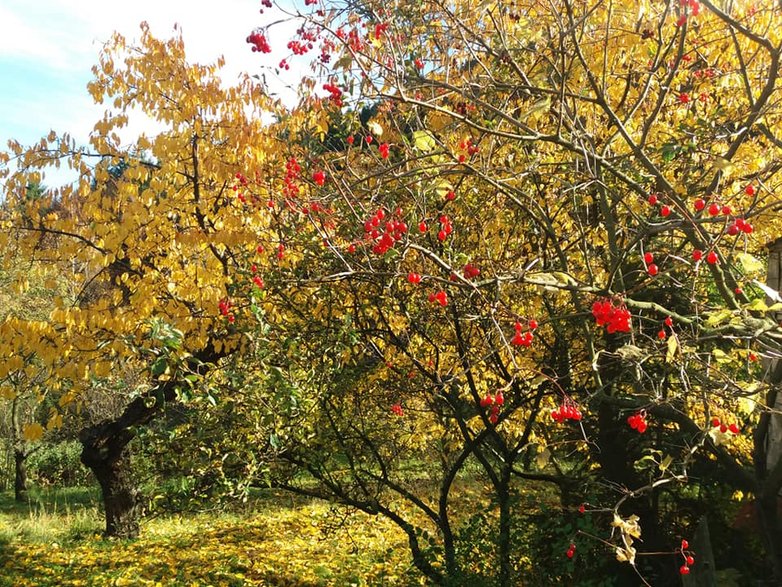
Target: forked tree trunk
20	478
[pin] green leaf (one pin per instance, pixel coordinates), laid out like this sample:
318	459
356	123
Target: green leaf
717	318
423	140
750	264
159	366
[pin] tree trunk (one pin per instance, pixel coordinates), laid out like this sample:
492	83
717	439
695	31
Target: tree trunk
768	516
112	469
105	449
504	536
20	479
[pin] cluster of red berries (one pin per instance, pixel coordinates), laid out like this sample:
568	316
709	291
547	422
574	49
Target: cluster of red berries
708	73
638	422
383	149
654	199
494	402
418	63
467	145
651	268
397	410
385	241
689	560
526	338
414	278
319	177
470	271
352	38
259	43
732	428
567	411
266	3
439	298
445	228
571	551
241	182
325	50
711	258
225	309
380	29
695	9
614	318
257	280
335	94
292	170
740	225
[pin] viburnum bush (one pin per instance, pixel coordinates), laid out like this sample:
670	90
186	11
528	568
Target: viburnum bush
606	171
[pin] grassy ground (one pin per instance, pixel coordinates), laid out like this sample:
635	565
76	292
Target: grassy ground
55	540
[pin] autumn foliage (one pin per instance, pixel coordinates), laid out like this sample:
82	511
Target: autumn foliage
504	246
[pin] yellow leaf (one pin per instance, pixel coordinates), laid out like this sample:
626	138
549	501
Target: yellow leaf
32	432
673	346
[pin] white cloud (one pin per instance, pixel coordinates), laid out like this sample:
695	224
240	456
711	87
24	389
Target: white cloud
59	41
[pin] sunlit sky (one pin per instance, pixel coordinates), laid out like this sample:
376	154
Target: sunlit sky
47	48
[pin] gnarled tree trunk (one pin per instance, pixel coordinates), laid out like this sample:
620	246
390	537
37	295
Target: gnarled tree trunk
110	462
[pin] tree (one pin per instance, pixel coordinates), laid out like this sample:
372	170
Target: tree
555	212
156	231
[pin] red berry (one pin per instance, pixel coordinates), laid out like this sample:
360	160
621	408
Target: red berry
648	258
668	321
581	508
685	544
750	190
697	255
700	204
661	335
499	399
368	140
441	235
734	428
533	324
714	209
733	229
652	269
690	560
726	210
712	258
665	211
715	422
350	140
723	428
684	570
652	200
422	226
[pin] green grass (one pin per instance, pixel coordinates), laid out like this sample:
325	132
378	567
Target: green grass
277	539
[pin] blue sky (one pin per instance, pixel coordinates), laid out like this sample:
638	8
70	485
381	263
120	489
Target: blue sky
47	48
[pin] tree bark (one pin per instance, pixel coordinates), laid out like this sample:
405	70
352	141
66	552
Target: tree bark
105	450
20	478
120	496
